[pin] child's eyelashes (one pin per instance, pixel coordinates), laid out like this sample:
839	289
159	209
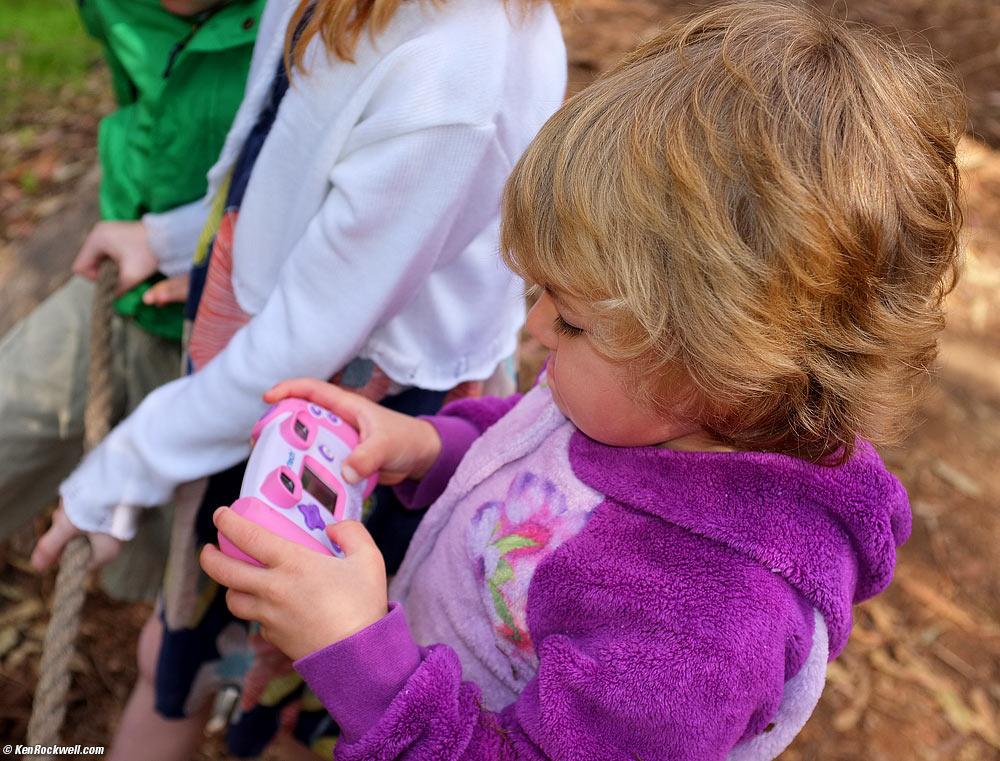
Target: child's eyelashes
563	328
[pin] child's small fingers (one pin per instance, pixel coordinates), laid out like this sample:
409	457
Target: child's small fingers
169	291
104	549
154	296
50	546
85	263
303	388
47	551
255	541
352	537
227	571
243	605
365	459
337	400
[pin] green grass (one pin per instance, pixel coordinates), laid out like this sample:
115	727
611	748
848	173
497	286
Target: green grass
44	51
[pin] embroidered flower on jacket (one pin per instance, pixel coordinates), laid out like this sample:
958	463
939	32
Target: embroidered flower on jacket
507	540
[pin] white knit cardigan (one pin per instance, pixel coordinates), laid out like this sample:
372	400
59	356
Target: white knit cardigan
368	228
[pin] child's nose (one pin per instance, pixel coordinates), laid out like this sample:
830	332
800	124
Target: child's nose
540	321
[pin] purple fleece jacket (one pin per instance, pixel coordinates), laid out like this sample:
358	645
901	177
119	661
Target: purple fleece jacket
665	629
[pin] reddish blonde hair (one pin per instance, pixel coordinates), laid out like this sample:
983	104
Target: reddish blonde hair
764	203
339	23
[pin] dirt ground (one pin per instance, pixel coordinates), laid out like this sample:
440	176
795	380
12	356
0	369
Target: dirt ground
920	678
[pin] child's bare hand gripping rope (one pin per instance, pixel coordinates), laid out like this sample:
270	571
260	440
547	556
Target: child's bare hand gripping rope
126	243
52	543
397	446
303	600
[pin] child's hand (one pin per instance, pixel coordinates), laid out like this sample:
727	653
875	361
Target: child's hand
396	445
172	290
104	547
304	600
126	243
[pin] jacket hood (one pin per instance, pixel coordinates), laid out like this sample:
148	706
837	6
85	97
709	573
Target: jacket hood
830	532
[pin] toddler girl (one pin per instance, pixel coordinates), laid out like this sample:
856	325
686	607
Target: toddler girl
741	237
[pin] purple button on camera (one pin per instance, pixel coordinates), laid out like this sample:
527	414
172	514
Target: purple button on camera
310	513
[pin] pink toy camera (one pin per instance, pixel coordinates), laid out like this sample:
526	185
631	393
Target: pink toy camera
292	485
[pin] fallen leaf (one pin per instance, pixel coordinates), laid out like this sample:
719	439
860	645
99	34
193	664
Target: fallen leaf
847	719
9	637
944	607
22	611
956	479
11	591
27	648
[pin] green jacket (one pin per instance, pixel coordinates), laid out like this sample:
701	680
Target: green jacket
178	82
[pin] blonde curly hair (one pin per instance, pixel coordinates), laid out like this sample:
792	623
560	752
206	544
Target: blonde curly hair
761	202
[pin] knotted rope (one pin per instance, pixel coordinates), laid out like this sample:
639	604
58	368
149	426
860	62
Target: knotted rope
49	707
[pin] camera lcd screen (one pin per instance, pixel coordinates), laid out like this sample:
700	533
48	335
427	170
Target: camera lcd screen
318	488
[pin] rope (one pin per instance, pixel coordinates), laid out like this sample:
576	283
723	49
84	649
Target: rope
58	649
97	417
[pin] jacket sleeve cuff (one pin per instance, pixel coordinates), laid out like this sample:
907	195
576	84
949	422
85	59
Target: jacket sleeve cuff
357	678
173	235
119	521
108	489
457	436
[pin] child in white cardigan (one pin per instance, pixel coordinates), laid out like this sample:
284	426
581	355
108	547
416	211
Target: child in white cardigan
361	246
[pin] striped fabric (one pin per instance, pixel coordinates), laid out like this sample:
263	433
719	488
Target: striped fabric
219	314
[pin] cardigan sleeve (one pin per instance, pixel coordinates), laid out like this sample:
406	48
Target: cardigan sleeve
312	323
458	424
173	235
626	669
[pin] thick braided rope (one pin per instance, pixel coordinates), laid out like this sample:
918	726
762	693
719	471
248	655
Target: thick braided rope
49	706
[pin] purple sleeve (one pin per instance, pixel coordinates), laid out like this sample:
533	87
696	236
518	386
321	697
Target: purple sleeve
481	412
395	700
631	662
365	671
458	424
